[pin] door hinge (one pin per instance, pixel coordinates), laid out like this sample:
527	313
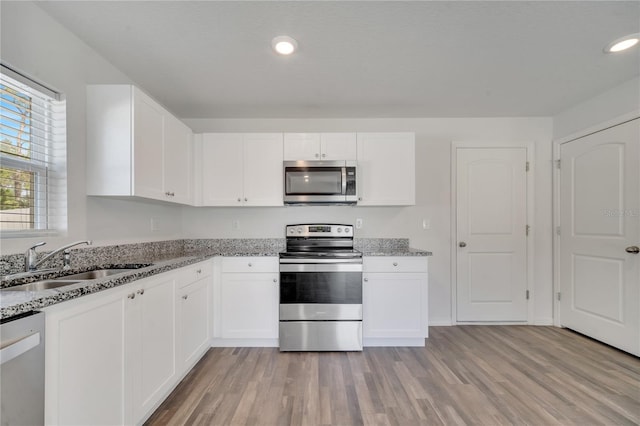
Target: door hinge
559	296
527	229
557	230
527	294
557	164
526	168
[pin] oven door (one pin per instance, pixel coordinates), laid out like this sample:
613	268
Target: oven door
321	306
320	291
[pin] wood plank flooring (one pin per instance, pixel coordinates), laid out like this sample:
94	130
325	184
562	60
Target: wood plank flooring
482	375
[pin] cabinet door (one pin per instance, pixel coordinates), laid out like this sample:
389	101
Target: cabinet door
222	169
301	146
386	169
263	174
193	322
85	359
151	317
394	305
249	306
148	141
338	146
177	161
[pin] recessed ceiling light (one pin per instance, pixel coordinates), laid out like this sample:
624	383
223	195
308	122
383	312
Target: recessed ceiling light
623	43
284	45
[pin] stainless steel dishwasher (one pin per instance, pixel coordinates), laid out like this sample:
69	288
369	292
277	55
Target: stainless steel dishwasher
22	370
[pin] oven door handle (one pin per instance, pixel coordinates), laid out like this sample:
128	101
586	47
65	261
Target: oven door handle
321	267
355	261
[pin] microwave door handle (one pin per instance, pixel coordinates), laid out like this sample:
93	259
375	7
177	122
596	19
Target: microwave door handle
344	181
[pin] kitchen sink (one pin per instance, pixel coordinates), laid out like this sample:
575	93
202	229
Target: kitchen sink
93	275
41	285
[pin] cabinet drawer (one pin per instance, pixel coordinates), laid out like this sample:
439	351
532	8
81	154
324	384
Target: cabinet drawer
250	264
193	273
394	264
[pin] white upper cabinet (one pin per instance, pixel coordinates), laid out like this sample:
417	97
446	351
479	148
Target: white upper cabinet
386	169
177	161
135	147
319	146
241	169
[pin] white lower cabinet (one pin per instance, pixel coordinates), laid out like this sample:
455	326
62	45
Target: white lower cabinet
395	301
85	354
151	341
248	302
194	314
112	357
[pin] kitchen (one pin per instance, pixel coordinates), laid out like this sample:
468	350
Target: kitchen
428	224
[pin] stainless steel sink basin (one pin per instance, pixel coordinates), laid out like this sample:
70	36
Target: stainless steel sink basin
93	275
41	285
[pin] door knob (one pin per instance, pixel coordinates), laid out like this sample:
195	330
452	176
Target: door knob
462	244
633	249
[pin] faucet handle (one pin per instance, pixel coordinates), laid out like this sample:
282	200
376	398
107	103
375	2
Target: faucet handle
30	256
41	243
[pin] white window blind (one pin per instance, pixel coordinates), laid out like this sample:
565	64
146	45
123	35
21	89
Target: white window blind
33	181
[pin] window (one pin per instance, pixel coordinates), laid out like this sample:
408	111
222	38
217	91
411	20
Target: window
32	157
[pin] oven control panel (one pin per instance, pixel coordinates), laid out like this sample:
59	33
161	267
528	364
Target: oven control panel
319	230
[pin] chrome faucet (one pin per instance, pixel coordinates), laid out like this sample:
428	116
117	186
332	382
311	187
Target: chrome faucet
31	262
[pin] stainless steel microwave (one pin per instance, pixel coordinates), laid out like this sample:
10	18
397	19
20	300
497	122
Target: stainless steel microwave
320	182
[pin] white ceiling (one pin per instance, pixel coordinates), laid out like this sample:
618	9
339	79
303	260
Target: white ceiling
359	58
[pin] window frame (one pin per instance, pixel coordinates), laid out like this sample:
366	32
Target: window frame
47	168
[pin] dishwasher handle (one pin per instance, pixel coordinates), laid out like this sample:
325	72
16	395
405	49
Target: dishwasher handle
16	347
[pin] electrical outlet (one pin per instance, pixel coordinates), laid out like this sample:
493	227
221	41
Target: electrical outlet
358	223
153	223
236	225
426	223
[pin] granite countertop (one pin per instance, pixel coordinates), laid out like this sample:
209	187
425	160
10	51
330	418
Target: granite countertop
148	264
16	302
396	252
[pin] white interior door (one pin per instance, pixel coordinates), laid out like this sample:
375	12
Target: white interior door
599	222
491	231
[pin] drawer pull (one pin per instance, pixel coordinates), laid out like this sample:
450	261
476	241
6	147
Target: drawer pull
185	297
366	280
275	280
250	265
395	263
131	296
141	291
199	271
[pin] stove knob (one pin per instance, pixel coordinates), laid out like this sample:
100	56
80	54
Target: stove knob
347	230
299	230
339	230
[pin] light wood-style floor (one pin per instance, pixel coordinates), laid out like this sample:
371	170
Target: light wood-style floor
483	375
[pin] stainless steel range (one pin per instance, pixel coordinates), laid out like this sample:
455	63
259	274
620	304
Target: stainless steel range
320	289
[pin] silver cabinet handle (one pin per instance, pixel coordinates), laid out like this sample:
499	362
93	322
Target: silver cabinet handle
199	271
359	198
131	296
141	291
185	297
395	263
239	199
275	280
246	199
633	249
462	244
366	280
250	265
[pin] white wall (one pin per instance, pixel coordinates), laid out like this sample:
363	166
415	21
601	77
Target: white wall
35	44
433	186
619	101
